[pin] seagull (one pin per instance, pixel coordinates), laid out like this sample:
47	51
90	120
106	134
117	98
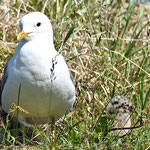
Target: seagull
36	80
122	108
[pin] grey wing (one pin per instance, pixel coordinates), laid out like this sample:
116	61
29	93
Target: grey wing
71	77
3	81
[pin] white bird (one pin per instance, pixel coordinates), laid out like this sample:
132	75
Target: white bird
122	108
36	78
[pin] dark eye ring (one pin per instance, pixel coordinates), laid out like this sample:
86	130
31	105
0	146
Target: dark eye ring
38	24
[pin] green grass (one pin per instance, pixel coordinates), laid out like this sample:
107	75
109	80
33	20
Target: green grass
107	50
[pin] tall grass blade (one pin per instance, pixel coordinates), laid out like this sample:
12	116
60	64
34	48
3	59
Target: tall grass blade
132	43
70	32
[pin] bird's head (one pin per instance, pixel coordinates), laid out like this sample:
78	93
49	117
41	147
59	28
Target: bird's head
35	25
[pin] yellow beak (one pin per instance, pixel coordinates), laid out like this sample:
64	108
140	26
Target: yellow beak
21	35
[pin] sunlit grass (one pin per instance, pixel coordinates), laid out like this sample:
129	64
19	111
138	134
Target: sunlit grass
107	49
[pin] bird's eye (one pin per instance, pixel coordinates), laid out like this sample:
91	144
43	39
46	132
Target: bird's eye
38	24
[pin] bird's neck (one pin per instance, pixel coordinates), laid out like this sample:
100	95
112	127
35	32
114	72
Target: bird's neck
39	46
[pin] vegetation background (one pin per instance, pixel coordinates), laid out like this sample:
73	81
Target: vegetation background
107	47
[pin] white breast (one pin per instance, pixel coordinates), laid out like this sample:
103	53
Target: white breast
46	88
